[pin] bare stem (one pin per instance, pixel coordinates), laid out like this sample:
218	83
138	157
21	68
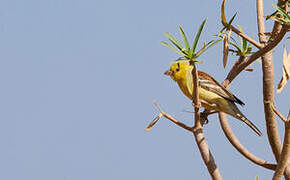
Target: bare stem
195	100
247	38
279	114
172	119
285	155
206	155
201	143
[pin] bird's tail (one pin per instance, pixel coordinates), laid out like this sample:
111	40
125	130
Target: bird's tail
235	112
241	117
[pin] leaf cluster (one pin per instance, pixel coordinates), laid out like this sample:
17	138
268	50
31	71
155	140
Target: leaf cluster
280	15
188	51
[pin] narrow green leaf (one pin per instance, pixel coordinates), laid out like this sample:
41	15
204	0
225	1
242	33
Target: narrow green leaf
249	50
172	48
234	41
174	41
231	20
274	13
207	46
243	41
282	11
200	62
234	52
197	37
281	3
203	47
184	38
236	46
230	23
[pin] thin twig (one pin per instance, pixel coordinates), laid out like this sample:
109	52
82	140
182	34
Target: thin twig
247	38
285	155
172	119
279	114
201	143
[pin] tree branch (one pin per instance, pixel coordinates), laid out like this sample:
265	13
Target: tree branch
240	66
198	132
285	155
268	84
279	114
239	147
247	38
172	119
201	143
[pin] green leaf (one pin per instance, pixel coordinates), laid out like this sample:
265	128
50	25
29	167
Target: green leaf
234	41
172	48
249	50
174	41
237	47
184	38
207	46
281	3
200	62
197	37
230	23
243	41
274	13
282	11
231	20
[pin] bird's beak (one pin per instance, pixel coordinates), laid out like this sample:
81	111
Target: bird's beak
168	73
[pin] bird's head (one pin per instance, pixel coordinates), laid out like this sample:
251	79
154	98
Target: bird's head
177	70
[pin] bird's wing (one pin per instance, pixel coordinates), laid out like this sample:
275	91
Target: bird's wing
210	84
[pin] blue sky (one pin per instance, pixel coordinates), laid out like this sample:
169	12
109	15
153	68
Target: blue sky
77	83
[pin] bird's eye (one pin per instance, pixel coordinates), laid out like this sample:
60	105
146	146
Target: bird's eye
177	69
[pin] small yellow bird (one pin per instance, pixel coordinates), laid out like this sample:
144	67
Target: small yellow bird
212	95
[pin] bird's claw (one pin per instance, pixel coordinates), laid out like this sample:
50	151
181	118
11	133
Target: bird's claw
203	119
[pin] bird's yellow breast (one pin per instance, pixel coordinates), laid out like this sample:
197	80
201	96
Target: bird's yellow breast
213	101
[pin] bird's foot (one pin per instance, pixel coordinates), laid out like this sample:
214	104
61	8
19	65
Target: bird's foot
203	117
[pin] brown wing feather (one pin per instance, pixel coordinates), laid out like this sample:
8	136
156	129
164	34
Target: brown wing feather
209	83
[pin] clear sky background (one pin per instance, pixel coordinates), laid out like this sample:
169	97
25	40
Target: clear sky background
77	83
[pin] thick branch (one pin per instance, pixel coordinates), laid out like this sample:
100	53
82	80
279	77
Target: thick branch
235	142
285	155
268	85
206	154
